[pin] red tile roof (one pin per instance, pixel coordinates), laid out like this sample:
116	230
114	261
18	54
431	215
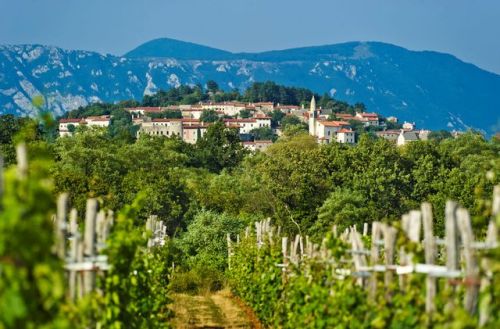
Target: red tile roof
334	123
70	120
166	120
99	118
250	120
194	126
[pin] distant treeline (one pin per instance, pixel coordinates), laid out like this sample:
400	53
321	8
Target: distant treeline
257	92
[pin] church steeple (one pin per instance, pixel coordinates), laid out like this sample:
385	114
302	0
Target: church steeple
313	106
312	117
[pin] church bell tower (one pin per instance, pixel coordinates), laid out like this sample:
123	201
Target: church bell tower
312	117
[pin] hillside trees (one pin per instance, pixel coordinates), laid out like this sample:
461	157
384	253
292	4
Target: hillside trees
294	173
220	148
94	165
272	92
209	116
264	133
9	126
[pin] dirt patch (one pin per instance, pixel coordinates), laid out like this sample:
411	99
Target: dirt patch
216	310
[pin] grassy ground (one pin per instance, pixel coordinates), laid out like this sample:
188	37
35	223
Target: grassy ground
214	310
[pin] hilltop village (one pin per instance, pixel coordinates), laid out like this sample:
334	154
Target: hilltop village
187	122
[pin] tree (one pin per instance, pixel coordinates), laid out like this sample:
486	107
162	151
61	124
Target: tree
244	114
276	117
212	86
173	114
264	133
292	120
9	127
204	243
343	208
360	107
209	116
220	148
294	171
325	101
121	126
440	135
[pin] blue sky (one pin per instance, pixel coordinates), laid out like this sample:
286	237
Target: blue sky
467	29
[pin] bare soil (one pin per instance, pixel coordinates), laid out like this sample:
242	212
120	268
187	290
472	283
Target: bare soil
214	311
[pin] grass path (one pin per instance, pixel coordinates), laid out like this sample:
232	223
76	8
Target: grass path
216	310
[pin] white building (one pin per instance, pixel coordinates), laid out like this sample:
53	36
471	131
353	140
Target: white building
368	119
161	127
347	136
390	135
247	125
409	125
406	137
66	124
228	108
328	131
98	121
189	130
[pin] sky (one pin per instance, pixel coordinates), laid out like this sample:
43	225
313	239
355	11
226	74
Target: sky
468	29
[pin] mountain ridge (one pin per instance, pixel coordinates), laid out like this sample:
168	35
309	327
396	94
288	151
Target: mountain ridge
436	90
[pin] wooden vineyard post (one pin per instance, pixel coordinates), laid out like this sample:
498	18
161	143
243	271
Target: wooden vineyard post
73	252
374	256
60	225
451	237
471	266
389	242
258	233
365	229
411	225
430	254
405	225
100	228
108	224
358	257
229	250
149	228
486	264
80	275
451	240
301	244
22	160
295	254
89	243
284	247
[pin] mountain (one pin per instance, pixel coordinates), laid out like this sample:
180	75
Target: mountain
171	48
437	91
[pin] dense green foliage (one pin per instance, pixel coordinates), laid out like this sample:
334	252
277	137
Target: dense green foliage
31	278
204	191
136	285
315	295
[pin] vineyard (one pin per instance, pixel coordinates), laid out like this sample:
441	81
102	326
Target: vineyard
396	277
103	232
